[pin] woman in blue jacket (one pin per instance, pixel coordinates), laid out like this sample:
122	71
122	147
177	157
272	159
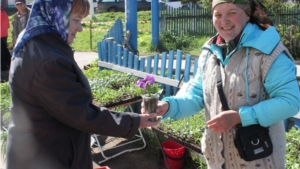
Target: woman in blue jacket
259	82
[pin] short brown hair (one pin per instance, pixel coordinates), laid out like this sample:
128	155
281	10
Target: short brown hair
81	7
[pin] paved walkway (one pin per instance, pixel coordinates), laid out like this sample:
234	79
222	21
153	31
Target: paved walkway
84	58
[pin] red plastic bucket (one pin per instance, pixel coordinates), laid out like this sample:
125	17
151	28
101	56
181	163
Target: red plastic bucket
103	167
174	153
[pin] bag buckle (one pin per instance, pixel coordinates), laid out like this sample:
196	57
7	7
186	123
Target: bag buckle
255	143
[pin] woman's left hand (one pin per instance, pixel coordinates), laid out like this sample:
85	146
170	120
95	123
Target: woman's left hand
224	121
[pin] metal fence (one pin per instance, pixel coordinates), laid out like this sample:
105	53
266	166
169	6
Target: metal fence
195	19
286	16
185	20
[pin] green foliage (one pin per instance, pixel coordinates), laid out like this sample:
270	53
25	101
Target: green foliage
293	149
5	115
3	139
5	103
186	43
189	129
189	44
150	88
291	39
109	86
84	42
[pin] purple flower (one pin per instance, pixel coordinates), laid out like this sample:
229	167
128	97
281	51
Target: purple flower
142	83
149	79
148	84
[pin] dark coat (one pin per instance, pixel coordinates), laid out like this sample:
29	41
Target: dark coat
52	114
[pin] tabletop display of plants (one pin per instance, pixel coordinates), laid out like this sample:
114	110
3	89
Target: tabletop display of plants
109	86
188	129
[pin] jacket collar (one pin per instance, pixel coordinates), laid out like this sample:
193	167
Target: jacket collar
264	41
252	37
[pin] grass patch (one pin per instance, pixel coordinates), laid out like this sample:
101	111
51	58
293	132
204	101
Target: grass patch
190	44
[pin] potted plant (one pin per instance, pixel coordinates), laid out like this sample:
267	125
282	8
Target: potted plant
150	94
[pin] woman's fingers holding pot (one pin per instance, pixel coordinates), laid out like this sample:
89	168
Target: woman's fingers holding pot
145	120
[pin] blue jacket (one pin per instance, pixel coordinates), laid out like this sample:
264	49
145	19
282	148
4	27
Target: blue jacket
280	83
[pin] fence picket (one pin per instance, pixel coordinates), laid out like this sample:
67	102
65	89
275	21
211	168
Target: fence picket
195	67
104	51
125	59
170	71
130	61
109	45
178	67
119	54
136	62
115	51
155	66
142	64
149	63
187	69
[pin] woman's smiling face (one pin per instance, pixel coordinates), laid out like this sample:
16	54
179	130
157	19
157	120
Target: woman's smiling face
229	20
74	26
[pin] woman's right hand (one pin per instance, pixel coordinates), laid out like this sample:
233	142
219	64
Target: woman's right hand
144	122
162	108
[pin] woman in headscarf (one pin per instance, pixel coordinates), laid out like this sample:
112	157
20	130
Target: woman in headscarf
52	114
259	83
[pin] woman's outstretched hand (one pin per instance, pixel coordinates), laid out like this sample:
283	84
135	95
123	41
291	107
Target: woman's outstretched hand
224	121
145	120
162	108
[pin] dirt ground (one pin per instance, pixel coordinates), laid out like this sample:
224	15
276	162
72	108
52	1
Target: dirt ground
141	159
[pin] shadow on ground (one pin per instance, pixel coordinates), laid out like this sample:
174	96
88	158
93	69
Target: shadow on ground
141	159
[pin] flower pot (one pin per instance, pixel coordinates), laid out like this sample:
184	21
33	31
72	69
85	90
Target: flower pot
150	104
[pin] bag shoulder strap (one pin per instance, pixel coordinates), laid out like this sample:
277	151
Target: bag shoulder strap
220	90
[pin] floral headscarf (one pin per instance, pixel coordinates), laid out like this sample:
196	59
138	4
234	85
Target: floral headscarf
252	8
46	16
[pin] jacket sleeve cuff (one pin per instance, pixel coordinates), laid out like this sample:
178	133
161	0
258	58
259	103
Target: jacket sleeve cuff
172	108
135	124
247	116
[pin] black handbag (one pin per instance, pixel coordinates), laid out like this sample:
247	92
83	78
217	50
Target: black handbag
252	142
